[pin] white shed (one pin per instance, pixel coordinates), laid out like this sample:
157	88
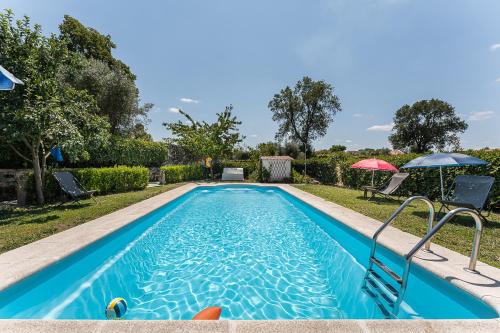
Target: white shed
279	167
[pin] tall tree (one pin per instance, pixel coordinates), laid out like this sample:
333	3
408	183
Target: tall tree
91	44
426	125
201	139
41	114
304	112
116	94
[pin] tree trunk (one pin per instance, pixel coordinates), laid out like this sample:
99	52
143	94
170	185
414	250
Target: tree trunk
43	167
37	174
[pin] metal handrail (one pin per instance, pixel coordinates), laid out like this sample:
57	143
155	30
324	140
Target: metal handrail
396	213
429	235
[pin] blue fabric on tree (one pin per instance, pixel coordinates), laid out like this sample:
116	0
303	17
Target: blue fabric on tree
56	154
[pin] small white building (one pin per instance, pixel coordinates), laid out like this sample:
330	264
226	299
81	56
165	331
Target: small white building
279	167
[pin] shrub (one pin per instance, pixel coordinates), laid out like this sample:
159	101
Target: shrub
130	152
104	180
300	178
323	169
182	173
113	180
336	169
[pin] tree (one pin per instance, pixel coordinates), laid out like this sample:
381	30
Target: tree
268	149
91	44
138	131
305	112
337	148
426	125
116	94
202	140
42	114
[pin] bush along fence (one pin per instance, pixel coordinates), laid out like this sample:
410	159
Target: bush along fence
104	180
335	169
182	173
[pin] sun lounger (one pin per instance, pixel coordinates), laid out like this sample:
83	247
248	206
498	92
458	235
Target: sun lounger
72	187
233	174
389	188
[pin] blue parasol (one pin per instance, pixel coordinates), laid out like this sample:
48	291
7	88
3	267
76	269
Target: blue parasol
440	160
7	80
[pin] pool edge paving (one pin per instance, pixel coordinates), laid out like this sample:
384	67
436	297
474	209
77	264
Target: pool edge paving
22	262
244	326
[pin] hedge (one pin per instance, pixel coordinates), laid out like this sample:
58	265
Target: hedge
130	152
182	173
104	180
335	169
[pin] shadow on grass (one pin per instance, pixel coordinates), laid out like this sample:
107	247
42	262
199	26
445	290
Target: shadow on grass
36	214
381	201
461	220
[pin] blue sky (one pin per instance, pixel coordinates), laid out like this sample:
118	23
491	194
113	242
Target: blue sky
378	54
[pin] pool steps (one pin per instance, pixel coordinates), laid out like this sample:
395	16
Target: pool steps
373	277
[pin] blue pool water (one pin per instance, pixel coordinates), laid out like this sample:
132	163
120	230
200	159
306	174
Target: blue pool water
260	253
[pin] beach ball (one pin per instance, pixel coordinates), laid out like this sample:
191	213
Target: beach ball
116	308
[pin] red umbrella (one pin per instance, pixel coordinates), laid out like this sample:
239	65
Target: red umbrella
374	164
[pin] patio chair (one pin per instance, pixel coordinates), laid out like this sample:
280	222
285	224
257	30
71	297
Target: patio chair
470	192
389	188
72	187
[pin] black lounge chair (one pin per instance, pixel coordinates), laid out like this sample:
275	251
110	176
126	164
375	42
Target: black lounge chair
470	192
72	187
389	188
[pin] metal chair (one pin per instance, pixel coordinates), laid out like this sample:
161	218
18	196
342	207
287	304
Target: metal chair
470	192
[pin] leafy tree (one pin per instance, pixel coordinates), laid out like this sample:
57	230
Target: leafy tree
337	148
41	114
373	152
116	94
202	140
243	153
291	149
304	112
426	125
91	44
138	131
268	149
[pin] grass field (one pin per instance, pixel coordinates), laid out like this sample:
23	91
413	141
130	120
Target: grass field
456	235
25	225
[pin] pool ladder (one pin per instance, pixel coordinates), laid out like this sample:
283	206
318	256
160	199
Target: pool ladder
376	280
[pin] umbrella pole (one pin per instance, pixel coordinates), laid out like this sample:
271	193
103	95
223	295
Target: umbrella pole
442	183
373	175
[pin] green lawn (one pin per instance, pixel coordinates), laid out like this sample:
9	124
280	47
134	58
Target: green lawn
456	235
25	225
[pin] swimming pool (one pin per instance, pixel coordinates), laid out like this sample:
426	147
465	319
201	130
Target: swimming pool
258	252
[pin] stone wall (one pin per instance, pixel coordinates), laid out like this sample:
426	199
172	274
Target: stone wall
12	185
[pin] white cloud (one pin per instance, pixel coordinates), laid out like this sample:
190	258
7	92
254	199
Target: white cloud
381	128
481	115
189	100
495	47
348	141
497	80
254	135
358	115
173	110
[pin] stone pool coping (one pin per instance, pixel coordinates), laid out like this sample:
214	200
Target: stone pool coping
22	262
